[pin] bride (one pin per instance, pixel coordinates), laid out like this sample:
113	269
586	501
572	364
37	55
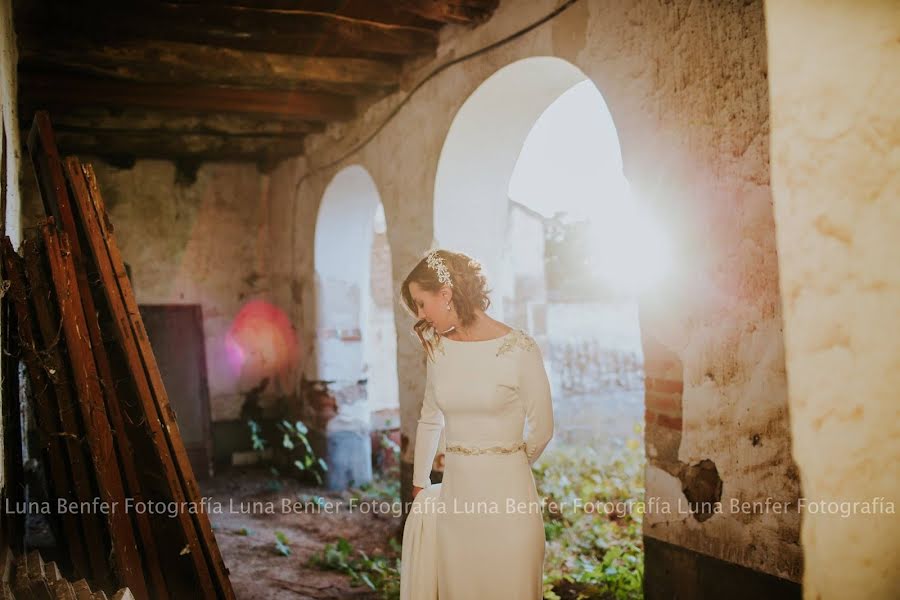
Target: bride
476	535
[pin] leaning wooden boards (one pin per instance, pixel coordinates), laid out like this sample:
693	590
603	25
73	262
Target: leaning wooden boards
107	392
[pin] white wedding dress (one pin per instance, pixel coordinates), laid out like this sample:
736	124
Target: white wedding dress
479	535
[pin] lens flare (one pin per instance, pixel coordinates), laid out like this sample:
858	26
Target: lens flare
261	341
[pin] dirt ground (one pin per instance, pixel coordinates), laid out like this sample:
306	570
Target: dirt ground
252	512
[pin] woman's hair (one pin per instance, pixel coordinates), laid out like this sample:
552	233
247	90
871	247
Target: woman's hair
469	285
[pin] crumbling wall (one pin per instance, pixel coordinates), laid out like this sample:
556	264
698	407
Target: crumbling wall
686	85
203	243
835	166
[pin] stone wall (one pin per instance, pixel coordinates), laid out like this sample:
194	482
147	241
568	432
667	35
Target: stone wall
204	243
686	84
835	166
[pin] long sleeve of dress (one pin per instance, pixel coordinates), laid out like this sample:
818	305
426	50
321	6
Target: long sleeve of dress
428	434
534	390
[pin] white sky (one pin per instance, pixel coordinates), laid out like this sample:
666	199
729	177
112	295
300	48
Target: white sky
571	159
571	162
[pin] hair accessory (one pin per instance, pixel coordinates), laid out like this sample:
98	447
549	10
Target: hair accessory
437	264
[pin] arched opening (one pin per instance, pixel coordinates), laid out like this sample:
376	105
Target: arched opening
530	182
355	349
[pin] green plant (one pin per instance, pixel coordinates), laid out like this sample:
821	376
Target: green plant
379	573
259	443
295	443
292	433
282	544
593	553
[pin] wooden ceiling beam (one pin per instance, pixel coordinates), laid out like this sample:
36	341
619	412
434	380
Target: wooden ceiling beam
387	12
168	145
167	62
48	91
188	152
459	12
101	119
278	31
430	14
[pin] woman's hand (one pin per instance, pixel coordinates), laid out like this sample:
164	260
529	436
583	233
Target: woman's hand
415	491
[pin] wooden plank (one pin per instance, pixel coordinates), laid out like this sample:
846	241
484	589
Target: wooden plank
460	12
96	245
50	330
47	163
57	201
131	334
125	453
82	590
46	409
64	590
177	62
93	412
21	584
43	89
40	588
101	120
283	31
390	12
174	146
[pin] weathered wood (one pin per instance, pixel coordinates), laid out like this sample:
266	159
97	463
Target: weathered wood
42	146
101	120
174	146
59	373
430	14
125	453
82	590
148	410
92	409
173	62
64	590
57	201
37	578
45	406
21	584
386	12
48	90
284	31
460	12
132	336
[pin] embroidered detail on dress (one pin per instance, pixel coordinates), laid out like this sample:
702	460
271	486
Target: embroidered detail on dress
504	449
517	338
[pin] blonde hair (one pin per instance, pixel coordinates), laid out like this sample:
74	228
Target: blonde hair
469	284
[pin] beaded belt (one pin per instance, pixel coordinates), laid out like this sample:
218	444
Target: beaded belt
454	448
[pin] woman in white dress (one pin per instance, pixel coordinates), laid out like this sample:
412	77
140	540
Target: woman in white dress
478	535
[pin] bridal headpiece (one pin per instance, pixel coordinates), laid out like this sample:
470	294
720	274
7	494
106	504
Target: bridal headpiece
436	263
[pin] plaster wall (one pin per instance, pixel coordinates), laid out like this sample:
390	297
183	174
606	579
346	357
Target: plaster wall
206	243
686	84
836	182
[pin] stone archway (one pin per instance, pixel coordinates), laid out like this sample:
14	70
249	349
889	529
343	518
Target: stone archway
509	147
480	153
355	351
